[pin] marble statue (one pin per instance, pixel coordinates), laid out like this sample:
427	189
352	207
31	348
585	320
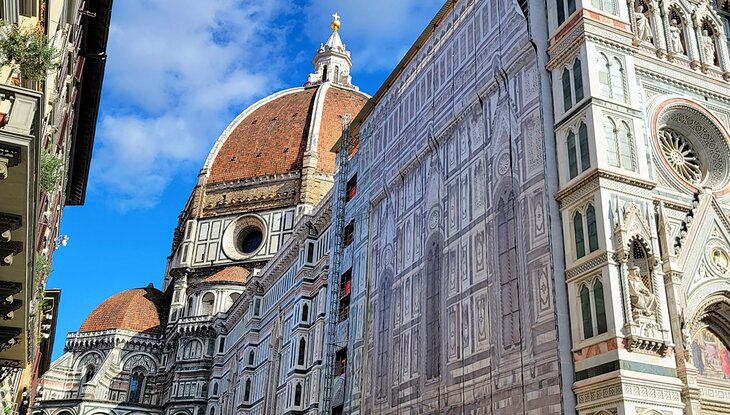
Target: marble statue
708	47
675	37
643	27
643	301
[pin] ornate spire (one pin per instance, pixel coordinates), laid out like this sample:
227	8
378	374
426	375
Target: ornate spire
332	61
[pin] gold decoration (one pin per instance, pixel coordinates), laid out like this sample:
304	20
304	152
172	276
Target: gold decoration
335	22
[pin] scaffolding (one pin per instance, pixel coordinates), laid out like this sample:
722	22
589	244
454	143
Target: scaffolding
339	202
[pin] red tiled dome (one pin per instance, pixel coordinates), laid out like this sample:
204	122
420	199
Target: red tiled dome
142	310
230	274
272	138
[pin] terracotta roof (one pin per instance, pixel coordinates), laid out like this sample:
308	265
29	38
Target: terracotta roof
337	103
142	310
273	138
230	274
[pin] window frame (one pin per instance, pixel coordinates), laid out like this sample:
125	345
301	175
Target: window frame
598	326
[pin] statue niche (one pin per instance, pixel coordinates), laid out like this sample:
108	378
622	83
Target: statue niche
642	17
644	302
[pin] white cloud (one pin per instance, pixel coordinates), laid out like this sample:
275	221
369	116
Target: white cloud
175	70
179	71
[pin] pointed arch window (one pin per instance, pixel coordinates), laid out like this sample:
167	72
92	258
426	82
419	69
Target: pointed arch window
136	385
585	155
593	308
247	391
605	5
432	309
580	246
212	411
89	373
251	358
572	155
619	144
305	313
567	90
563	6
298	394
302	352
585	229
617	80
215	389
611	78
578	165
578	80
192	350
336	75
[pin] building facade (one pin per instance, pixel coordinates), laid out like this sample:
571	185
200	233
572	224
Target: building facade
531	215
48	116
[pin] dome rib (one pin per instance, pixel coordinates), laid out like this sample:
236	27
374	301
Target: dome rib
271	136
142	310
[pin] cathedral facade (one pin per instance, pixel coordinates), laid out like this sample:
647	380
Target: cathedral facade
531	215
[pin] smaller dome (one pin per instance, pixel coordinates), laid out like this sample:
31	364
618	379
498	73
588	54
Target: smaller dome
142	310
230	274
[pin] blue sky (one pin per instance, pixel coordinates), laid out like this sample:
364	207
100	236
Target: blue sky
178	72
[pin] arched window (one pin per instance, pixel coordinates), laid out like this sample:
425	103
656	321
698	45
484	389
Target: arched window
567	90
599	307
604	75
507	270
572	155
298	394
301	354
617	80
89	373
433	276
305	313
136	384
325	74
580	247
581	224
336	75
585	307
626	146
212	411
619	144
215	389
192	350
605	5
247	391
251	358
562	6
585	155
191	306
592	228
577	80
593	309
207	304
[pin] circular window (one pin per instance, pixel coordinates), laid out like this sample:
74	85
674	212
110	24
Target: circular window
249	240
681	156
244	237
692	146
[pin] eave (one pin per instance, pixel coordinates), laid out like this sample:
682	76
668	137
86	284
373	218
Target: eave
95	26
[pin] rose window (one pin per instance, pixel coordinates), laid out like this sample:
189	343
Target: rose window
681	156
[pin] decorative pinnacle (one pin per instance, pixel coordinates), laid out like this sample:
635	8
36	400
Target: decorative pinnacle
335	22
